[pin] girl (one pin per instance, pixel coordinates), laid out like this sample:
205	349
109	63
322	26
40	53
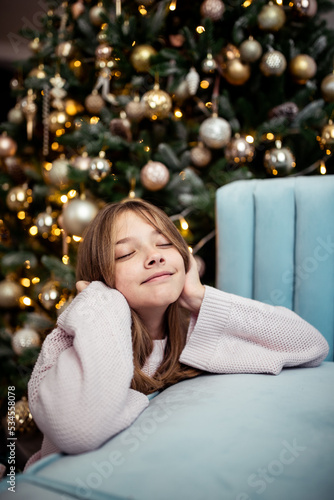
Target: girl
128	331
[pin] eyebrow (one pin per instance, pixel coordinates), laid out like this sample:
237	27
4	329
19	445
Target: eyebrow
131	238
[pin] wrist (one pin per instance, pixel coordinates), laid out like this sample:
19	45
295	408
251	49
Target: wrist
197	299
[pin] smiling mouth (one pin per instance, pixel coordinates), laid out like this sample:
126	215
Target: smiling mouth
157	277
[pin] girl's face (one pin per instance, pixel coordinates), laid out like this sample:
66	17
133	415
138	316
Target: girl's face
149	270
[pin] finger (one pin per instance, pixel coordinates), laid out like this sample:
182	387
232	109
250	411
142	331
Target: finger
81	285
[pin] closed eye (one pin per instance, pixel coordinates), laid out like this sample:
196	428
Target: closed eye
165	245
123	256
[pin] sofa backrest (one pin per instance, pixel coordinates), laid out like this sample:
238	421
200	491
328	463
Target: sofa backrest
275	244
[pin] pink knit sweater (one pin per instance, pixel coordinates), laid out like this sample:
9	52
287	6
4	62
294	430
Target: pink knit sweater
84	370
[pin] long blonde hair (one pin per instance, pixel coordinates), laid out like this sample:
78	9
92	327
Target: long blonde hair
96	262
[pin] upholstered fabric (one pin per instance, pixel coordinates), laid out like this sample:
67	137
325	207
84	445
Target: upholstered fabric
215	437
275	241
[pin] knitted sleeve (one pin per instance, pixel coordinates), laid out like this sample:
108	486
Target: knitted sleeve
79	391
236	335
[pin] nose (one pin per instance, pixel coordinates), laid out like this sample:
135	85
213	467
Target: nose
153	258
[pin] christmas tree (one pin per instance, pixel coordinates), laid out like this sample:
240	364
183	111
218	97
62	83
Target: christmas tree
162	100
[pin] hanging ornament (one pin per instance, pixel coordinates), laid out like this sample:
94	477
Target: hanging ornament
181	92
305	8
136	109
24	339
158	103
97	13
50	294
17	198
327	135
236	72
250	50
215	132
103	83
23	417
77	214
192	80
57	92
279	161
10	293
15	115
200	155
103	52
213	9
288	110
209	64
8	146
35	45
273	63
238	151
99	167
302	68
154	175
65	49
140	57
57	120
58	174
38	72
121	127
200	265
327	88
81	163
44	222
94	103
228	53
29	110
271	17
77	9
15	169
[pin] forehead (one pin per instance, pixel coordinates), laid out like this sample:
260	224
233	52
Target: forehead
130	222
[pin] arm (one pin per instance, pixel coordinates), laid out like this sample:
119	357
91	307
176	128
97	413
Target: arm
231	334
79	392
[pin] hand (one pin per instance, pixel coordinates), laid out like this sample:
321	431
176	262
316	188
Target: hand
193	291
81	285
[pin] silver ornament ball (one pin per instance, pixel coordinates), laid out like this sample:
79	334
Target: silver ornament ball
77	214
23	339
215	132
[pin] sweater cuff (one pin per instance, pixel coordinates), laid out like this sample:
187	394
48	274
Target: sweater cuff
207	330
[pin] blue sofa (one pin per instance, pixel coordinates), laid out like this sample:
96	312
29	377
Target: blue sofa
232	437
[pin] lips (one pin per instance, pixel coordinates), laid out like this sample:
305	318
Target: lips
156	276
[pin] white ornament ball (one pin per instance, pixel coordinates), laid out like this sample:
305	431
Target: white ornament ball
44	222
213	9
10	292
250	50
273	63
215	132
50	294
200	156
77	214
99	168
81	163
15	116
25	338
154	175
16	198
58	174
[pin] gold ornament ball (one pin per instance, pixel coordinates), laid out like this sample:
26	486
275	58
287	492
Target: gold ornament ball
158	103
15	116
279	161
273	63
95	15
77	214
327	88
229	53
57	120
327	135
271	18
58	174
35	45
8	146
200	156
154	175
50	294
238	151
135	110
250	50
140	57
215	132
17	198
213	9
23	417
99	168
94	103
236	72
302	68
23	339
10	292
38	72
44	222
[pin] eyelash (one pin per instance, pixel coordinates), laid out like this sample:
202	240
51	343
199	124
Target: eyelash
128	254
